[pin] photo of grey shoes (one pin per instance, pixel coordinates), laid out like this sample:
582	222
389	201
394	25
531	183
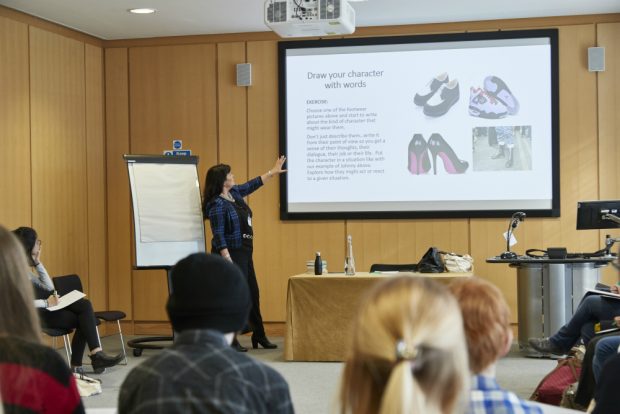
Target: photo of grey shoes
498	88
445	97
429	90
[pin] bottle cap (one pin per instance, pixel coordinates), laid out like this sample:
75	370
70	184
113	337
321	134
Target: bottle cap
318	253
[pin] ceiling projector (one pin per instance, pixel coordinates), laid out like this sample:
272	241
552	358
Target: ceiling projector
302	18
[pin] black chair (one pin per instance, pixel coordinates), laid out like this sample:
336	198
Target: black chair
68	283
55	333
393	267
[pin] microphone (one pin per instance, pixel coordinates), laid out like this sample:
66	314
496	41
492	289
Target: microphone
516	218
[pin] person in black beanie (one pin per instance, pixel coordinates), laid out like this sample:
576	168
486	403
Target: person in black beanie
201	373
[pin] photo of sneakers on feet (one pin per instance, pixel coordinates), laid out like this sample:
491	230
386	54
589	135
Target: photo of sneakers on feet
493	101
438	96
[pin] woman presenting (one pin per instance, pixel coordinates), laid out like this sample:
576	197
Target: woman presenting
231	225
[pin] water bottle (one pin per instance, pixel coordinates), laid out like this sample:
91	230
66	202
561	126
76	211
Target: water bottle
349	263
318	264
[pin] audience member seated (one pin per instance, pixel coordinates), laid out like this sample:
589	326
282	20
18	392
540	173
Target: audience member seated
33	377
408	353
79	315
606	394
486	319
209	303
592	309
605	349
588	376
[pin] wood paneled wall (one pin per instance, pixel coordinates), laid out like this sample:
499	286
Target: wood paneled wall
70	108
608	111
172	95
52	163
247	139
15	171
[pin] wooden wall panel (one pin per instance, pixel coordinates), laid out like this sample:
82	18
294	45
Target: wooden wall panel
578	136
487	241
15	202
95	157
118	198
281	248
59	191
608	86
95	283
172	96
231	111
403	241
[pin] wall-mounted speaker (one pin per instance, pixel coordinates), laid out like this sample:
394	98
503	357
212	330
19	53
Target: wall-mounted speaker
596	59
244	74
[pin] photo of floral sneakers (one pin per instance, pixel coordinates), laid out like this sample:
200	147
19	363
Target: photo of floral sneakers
484	105
496	87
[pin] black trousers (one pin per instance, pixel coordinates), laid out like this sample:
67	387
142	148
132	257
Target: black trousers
243	258
587	384
79	316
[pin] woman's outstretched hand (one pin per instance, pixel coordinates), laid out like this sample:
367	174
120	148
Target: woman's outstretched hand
277	168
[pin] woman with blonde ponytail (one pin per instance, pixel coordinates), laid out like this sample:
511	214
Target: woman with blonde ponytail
408	353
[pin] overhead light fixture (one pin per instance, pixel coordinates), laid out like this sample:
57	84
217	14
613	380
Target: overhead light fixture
142	11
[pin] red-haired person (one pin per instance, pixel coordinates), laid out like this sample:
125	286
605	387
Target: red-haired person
486	319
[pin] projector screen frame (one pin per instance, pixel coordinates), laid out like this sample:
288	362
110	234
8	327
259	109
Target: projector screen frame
551	34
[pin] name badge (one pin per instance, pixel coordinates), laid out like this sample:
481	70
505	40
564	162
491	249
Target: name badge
250	221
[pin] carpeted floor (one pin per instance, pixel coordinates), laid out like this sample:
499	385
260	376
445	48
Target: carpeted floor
314	385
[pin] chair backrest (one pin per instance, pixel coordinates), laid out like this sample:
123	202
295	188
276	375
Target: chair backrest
377	267
68	283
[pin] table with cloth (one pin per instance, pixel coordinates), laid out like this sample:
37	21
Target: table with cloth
320	311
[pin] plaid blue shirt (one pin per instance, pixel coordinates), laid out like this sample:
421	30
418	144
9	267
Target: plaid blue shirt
488	398
201	373
224	218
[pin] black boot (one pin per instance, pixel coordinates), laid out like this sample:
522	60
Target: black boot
237	346
500	153
102	361
263	341
510	158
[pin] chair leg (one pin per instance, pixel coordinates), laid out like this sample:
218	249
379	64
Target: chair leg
98	337
68	349
120	333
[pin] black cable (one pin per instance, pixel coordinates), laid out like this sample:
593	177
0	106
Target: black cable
530	253
299	7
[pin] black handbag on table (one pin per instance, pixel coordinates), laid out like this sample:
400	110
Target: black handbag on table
431	262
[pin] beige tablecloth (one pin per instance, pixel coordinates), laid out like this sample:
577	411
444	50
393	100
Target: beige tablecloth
320	311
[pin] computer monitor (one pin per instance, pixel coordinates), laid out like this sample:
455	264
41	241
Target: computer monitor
596	214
